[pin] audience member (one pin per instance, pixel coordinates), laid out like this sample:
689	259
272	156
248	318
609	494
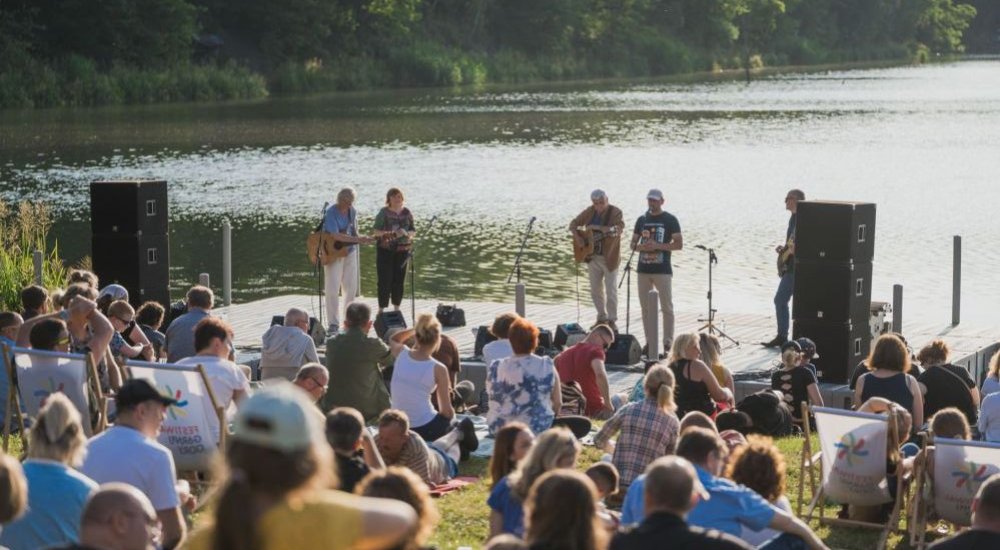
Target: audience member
289	344
992	383
212	338
435	462
671	490
280	463
946	385
353	447
796	382
117	517
149	465
551	524
696	388
735	420
150	319
501	347
985	530
405	486
180	332
648	428
511	445
13	489
523	387
711	355
583	363
10	325
989	417
461	393
313	379
56	492
109	294
608	483
889	362
34	301
769	415
416	375
895	457
506	541
355	361
128	341
808	354
947	423
697	419
82	276
760	466
862	367
556	448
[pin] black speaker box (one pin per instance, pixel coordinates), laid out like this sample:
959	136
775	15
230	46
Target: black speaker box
831	291
568	334
128	207
835	231
545	346
280	320
388	319
624	351
840	345
138	262
483	337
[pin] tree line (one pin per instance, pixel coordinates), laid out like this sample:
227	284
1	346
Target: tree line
73	52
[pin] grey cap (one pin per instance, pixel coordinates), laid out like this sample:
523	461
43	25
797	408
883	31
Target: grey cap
655	194
598	194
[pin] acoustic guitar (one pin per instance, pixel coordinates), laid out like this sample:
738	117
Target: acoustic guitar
583	253
785	254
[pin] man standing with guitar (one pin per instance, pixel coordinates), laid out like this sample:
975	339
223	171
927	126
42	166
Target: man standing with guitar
597	237
341	222
786	270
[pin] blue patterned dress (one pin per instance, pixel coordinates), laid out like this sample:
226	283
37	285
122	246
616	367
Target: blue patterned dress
520	389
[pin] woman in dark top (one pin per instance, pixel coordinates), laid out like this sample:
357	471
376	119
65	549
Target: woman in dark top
945	385
862	367
796	382
696	387
889	363
394	230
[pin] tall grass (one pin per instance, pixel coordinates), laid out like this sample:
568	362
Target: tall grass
24	229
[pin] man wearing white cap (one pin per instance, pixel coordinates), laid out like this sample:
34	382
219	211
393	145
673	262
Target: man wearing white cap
657	234
606	225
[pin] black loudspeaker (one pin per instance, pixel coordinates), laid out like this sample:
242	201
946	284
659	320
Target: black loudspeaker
568	334
129	207
624	351
138	262
483	337
840	345
545	343
831	291
835	231
388	319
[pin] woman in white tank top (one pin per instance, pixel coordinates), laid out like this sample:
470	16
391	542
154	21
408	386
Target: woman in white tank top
416	375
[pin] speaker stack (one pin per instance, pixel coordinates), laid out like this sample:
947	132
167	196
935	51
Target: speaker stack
129	242
831	300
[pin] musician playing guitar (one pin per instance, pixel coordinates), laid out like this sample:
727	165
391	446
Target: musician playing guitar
597	235
786	270
341	222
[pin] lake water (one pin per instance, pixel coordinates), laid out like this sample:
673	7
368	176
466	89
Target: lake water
921	142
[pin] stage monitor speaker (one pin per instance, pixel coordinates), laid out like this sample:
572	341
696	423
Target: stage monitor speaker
624	351
140	263
841	346
831	291
545	346
388	319
568	334
835	231
483	337
130	207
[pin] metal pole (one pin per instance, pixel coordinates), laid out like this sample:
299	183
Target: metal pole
520	298
203	280
38	262
227	262
956	282
652	325
897	308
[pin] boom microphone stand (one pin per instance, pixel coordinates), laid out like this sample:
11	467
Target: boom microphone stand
710	325
520	253
413	272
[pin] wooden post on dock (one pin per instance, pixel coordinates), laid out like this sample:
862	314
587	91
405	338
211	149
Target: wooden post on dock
897	308
37	260
520	299
956	282
204	280
227	263
652	325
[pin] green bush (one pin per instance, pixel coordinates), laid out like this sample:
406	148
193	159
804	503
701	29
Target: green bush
22	231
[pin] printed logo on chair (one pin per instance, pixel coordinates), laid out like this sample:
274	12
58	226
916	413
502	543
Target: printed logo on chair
854	458
960	467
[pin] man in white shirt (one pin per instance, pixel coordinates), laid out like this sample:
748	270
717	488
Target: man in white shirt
212	338
129	453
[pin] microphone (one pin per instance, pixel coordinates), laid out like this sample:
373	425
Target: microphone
533	218
433	219
700	246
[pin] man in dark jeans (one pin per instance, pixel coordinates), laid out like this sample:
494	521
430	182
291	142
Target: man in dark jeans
985	530
783	295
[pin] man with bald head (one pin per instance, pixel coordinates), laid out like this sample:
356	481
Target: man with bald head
117	517
289	345
314	379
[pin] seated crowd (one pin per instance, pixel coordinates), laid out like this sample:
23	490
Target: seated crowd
346	454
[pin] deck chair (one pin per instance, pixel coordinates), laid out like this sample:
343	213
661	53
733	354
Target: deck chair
37	374
960	467
851	463
188	429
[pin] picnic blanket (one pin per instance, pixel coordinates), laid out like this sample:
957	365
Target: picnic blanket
453	485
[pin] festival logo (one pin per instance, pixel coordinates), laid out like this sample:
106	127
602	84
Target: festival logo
43	394
850	447
177	410
970	476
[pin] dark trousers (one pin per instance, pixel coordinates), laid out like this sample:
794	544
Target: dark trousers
391	268
781	298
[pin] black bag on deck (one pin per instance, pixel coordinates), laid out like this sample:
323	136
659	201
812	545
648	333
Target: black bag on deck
450	316
769	414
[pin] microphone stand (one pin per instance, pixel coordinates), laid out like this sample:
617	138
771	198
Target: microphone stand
319	264
628	290
520	253
413	273
710	324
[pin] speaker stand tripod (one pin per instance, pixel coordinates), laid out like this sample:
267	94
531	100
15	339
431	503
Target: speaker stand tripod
710	321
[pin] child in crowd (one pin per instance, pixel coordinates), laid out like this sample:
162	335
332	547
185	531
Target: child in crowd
353	446
606	479
513	442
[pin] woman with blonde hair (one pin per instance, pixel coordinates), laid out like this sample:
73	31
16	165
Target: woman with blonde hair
416	375
554	449
554	525
696	388
398	483
794	381
57	492
711	355
648	428
992	383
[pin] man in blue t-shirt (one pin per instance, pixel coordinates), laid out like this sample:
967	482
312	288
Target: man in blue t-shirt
656	234
786	270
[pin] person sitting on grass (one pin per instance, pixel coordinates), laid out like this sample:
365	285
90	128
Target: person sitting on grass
796	382
555	448
501	347
985	530
606	479
695	388
416	375
583	363
128	341
510	446
405	486
117	517
314	379
353	446
435	462
561	513
34	301
759	465
711	355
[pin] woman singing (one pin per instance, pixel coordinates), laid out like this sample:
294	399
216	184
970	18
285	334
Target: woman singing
394	230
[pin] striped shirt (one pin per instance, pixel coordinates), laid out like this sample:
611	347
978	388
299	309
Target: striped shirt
421	460
647	433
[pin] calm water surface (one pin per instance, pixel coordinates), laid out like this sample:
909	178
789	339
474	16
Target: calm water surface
921	142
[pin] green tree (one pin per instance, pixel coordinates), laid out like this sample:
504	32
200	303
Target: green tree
941	24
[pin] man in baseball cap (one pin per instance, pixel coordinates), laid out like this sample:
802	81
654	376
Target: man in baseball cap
657	233
808	353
